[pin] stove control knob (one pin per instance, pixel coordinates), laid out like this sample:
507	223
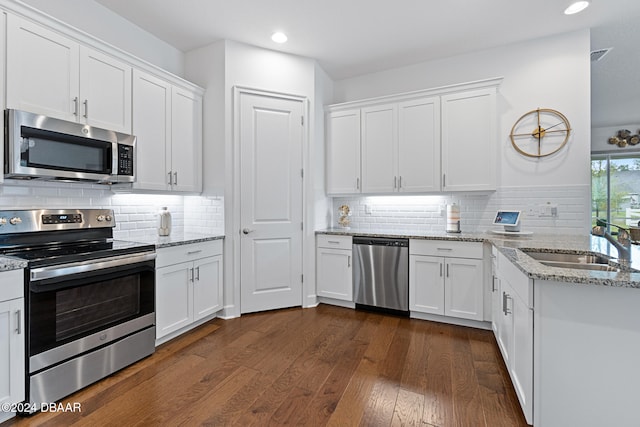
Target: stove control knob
100	218
3	221
108	218
15	220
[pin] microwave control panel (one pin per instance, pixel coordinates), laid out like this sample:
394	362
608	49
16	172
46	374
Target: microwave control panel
125	160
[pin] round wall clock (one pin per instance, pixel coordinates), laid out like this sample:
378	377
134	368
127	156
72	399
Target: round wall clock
540	132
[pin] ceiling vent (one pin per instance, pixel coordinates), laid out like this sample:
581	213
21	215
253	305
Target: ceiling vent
598	54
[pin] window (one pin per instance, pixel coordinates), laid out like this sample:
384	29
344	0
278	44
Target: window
615	189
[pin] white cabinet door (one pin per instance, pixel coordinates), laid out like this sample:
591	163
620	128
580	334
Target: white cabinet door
174	296
152	127
521	363
207	287
426	284
469	140
12	351
419	145
343	152
379	149
42	70
334	273
105	91
464	288
186	141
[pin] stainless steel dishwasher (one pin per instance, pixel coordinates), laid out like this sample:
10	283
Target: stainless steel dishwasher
381	274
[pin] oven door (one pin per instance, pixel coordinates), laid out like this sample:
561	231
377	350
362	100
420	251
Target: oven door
74	308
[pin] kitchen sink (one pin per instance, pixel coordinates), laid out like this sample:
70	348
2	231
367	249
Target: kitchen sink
567	258
573	260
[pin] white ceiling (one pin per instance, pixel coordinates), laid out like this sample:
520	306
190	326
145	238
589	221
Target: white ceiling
353	37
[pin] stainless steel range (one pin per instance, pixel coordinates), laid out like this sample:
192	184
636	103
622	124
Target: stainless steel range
89	299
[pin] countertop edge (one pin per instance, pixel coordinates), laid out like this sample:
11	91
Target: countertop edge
511	248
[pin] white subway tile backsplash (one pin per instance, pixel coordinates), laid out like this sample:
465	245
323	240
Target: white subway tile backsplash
136	214
476	210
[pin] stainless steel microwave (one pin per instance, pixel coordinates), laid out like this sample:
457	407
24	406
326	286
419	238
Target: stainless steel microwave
41	147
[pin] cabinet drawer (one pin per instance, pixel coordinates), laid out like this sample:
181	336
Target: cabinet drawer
11	285
183	253
333	242
446	248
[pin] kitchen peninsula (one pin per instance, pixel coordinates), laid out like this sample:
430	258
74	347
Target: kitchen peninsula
565	334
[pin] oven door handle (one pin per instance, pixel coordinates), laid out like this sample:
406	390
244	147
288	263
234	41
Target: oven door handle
53	271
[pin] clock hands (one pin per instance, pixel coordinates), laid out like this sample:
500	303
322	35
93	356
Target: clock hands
540	131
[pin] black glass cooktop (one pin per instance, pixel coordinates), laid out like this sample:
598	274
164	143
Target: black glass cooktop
50	254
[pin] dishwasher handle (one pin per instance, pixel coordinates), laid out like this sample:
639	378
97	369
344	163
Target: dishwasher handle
381	241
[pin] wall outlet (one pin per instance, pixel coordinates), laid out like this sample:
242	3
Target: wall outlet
367	209
548	210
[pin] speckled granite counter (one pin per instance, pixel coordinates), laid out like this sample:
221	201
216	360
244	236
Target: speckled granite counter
8	263
512	246
177	239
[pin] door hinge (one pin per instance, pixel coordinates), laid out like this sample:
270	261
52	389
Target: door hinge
302	226
302	278
301	173
302	120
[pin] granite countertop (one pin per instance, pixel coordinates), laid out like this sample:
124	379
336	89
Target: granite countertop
514	247
9	263
177	238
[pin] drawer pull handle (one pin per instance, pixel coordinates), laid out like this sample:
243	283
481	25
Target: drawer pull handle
194	252
445	249
333	242
19	322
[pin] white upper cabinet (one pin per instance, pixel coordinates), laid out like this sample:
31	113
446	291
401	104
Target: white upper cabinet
152	128
419	145
469	140
43	70
186	141
379	146
441	139
53	75
105	91
343	152
167	122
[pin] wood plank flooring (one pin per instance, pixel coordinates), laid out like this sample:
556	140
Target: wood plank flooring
324	366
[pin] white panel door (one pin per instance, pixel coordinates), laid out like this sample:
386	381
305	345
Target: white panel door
379	149
426	275
334	273
186	140
419	145
464	288
343	152
105	91
174	296
207	287
12	348
42	70
152	127
270	137
468	140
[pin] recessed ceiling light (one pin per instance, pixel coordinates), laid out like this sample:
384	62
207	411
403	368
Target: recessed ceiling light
279	37
576	7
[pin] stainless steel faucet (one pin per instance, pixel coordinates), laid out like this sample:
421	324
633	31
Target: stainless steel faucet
623	244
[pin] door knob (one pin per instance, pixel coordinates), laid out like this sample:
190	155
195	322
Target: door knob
247	230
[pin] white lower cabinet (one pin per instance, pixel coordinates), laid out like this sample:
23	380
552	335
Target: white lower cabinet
513	327
188	287
446	278
334	266
12	339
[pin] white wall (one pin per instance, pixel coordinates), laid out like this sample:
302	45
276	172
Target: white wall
220	68
552	72
100	22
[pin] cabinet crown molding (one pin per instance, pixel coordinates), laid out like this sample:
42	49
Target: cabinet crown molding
406	96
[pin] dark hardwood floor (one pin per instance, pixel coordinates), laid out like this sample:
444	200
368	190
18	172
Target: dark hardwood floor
317	367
